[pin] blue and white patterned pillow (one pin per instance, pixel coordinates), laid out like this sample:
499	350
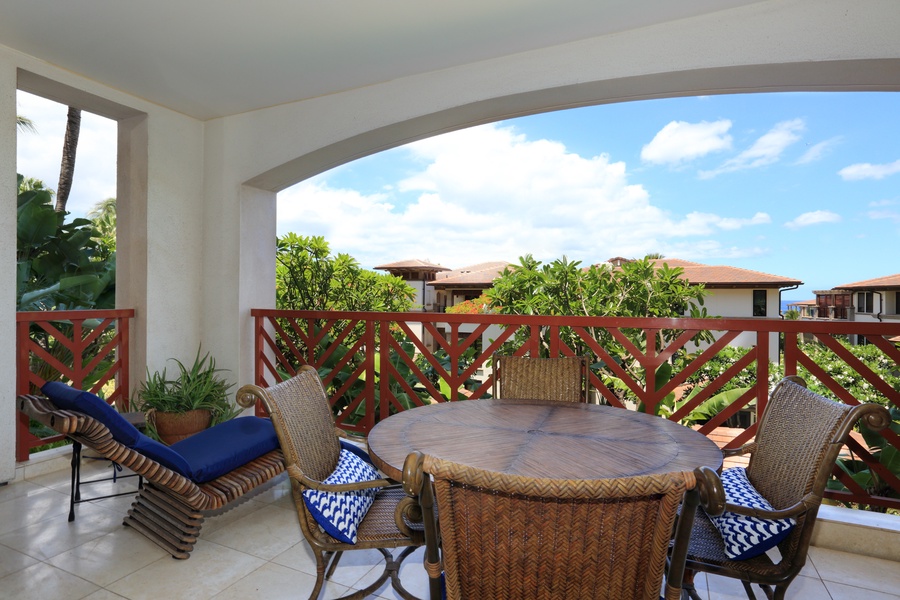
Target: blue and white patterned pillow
746	537
340	514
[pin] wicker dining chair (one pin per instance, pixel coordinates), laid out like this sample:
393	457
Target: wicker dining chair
504	536
563	379
302	416
797	442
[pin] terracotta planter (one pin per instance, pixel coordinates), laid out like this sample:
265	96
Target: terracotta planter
174	427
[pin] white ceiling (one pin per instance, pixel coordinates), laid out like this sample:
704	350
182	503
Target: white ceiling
213	58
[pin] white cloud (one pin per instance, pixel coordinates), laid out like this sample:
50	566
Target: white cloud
817	151
488	193
711	250
679	141
813	218
884	215
869	171
765	151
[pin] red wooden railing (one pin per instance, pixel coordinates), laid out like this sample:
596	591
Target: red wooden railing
360	357
87	348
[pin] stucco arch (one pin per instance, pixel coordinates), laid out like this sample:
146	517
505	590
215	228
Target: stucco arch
256	261
864	75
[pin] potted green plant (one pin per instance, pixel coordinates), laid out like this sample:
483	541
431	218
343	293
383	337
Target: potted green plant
196	399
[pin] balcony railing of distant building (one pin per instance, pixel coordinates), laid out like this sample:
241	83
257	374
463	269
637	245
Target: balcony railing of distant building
85	348
373	364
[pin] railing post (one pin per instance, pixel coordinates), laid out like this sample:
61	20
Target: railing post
24	438
791	352
371	377
123	376
762	372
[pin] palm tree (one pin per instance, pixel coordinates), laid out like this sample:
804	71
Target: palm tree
103	214
67	165
25	124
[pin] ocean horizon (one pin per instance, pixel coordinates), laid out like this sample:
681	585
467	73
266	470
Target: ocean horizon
784	304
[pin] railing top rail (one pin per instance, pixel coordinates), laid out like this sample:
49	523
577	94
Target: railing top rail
63	315
714	324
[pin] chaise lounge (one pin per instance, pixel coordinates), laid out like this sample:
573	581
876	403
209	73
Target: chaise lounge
209	471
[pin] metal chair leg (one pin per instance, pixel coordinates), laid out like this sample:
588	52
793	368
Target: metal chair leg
75	491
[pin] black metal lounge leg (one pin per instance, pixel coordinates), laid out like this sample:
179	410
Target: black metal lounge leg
75	491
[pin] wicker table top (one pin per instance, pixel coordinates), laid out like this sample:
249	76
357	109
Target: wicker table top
540	438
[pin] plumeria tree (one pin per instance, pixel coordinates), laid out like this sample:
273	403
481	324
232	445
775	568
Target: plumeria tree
637	288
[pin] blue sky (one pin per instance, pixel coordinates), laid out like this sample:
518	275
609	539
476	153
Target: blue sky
803	185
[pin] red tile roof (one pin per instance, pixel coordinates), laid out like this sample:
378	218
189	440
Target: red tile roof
879	283
412	264
803	303
719	276
480	275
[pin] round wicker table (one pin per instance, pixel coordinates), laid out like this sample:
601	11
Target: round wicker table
540	438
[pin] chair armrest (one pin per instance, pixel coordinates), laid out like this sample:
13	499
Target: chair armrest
712	499
709	487
249	394
295	473
747	448
807	502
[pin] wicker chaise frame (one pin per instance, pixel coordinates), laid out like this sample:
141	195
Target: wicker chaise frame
562	379
301	413
169	509
507	536
797	443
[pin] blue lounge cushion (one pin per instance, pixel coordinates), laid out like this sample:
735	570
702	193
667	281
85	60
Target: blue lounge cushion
67	397
340	513
746	537
220	449
163	454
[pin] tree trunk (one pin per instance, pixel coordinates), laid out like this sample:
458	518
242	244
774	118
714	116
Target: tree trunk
67	166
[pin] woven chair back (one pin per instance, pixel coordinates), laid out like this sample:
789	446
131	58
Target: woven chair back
795	435
302	416
506	536
561	379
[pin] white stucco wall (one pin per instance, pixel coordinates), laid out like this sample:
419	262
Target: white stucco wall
160	223
738	303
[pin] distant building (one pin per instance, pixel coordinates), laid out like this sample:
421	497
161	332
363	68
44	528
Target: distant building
417	273
805	308
466	283
873	300
832	304
734	292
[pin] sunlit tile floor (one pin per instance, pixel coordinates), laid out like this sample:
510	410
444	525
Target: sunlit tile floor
257	550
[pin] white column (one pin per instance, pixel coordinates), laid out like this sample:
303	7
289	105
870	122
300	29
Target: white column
7	270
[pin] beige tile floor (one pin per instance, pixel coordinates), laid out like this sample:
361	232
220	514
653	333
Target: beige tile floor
256	550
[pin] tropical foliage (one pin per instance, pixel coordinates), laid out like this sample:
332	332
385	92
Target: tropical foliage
60	265
309	277
884	453
638	288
